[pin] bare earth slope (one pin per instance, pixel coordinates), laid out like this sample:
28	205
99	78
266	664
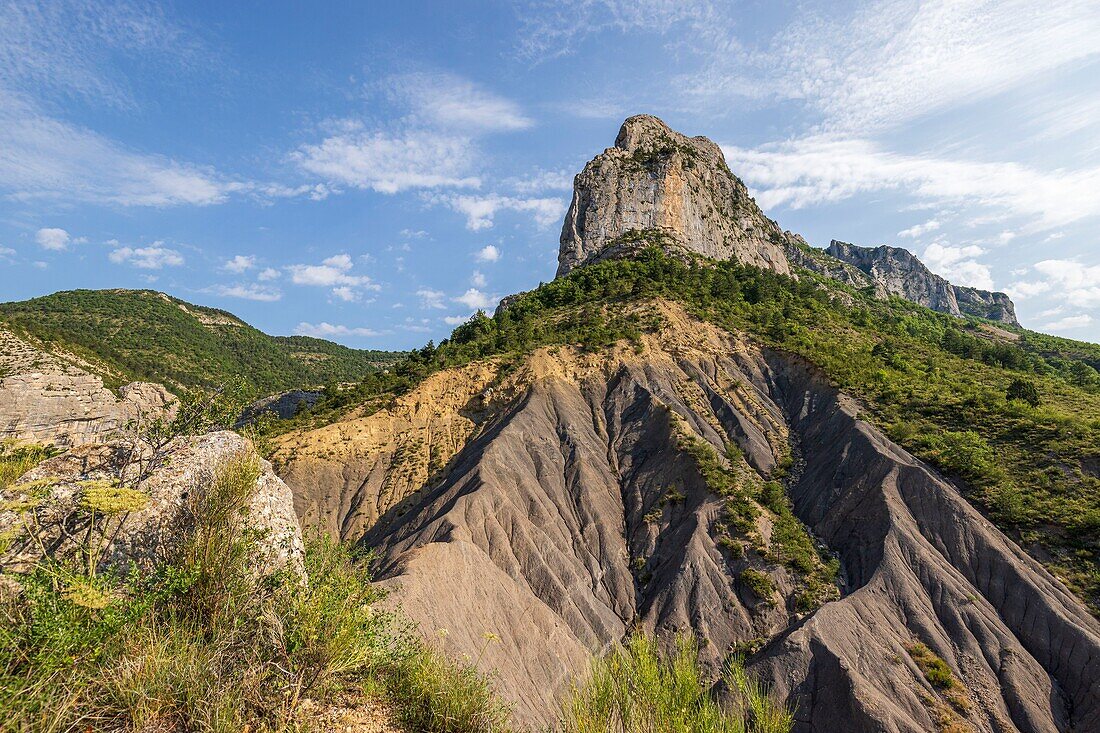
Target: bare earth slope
575	510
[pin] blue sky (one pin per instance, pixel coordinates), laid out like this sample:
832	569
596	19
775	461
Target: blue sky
374	172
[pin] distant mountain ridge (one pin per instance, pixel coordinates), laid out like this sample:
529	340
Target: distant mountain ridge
146	335
898	272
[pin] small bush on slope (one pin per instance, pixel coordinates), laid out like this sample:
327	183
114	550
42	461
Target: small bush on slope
634	690
207	645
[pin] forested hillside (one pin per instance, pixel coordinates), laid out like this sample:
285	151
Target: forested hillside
149	336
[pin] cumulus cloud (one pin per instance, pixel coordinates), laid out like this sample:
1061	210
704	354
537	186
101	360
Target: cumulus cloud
389	163
475	299
249	291
431	298
153	257
488	253
918	230
52	238
478	280
456	320
268	273
481	210
240	263
328	330
335	273
958	264
1067	280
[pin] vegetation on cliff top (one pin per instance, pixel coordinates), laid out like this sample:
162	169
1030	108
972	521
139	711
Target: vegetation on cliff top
148	336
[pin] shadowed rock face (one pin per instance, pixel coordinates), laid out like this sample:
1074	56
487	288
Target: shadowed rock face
657	180
551	528
898	272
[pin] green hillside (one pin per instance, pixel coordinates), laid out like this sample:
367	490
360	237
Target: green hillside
1012	415
147	335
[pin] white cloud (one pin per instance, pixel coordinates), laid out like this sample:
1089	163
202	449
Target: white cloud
820	169
892	61
474	298
240	263
478	280
268	273
449	101
456	320
249	291
153	257
346	294
431	298
328	330
918	230
52	238
6	252
1067	280
335	273
354	156
481	210
1070	322
958	264
1022	289
488	253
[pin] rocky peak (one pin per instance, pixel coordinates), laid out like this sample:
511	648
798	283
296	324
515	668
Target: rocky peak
897	271
657	186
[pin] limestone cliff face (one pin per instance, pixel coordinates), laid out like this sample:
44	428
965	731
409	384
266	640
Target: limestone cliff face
657	182
897	271
549	521
51	398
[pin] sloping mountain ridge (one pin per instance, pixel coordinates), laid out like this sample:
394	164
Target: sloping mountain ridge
558	500
898	272
150	336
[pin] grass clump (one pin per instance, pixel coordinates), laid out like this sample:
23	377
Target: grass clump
636	690
210	642
18	458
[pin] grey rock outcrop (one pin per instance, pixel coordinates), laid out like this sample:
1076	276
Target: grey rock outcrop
149	534
897	271
45	398
660	187
284	405
551	528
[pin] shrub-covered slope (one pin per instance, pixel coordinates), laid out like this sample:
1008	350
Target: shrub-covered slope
149	336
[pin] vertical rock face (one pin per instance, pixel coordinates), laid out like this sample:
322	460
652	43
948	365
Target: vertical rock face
656	182
45	399
898	272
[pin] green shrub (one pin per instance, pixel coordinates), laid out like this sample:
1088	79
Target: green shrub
635	690
1023	390
759	583
206	643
